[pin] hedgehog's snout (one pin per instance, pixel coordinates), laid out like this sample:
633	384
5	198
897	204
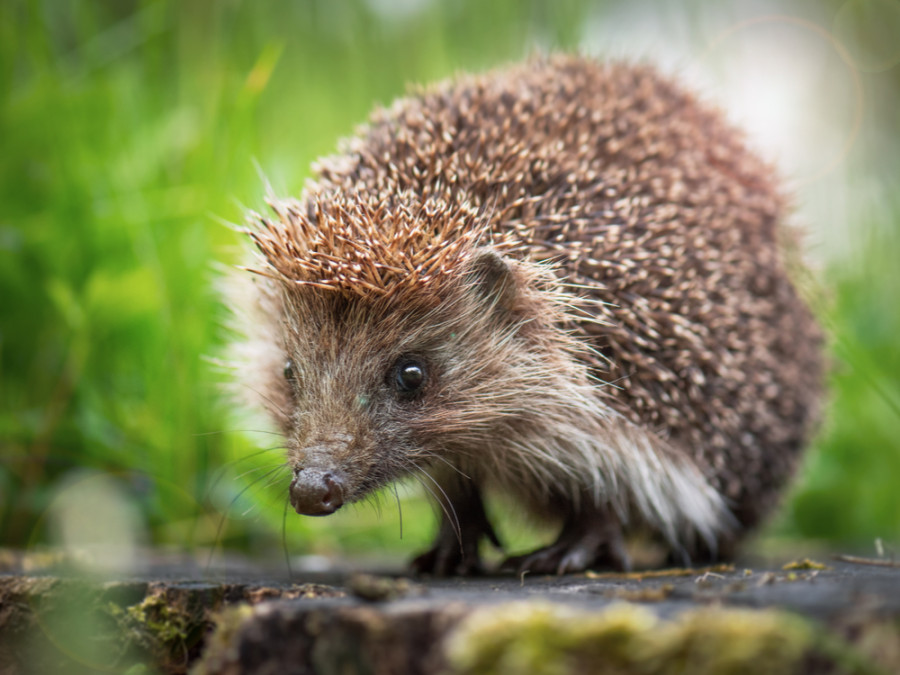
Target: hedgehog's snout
315	492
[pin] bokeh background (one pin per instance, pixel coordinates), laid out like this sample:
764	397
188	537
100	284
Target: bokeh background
132	133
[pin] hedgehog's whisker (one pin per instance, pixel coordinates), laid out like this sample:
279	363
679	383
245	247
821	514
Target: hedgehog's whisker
446	503
284	546
225	514
220	473
428	456
260	468
236	431
399	507
268	399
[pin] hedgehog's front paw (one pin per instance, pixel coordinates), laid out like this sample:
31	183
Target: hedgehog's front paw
450	557
455	550
588	540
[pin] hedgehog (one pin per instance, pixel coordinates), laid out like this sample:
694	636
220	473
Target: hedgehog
563	281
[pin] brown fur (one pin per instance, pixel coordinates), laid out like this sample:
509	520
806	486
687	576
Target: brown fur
534	233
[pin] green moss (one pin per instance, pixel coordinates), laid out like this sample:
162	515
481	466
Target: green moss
805	564
548	639
167	629
379	589
217	651
165	623
722	568
734	641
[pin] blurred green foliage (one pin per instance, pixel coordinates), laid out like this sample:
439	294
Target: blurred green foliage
129	130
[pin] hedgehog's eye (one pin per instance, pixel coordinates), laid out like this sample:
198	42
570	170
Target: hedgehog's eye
289	370
409	376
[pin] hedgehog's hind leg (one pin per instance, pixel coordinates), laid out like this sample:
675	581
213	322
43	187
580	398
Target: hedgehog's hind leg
592	537
464	524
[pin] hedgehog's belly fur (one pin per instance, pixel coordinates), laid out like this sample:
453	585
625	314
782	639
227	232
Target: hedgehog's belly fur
665	226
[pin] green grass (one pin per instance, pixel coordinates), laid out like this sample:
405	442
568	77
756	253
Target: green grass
849	489
130	130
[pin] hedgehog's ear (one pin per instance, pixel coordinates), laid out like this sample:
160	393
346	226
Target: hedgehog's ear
492	278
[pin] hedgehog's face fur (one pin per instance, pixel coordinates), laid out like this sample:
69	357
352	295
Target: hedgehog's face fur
372	388
398	337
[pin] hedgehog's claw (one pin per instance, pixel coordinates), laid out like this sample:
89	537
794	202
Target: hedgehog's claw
590	539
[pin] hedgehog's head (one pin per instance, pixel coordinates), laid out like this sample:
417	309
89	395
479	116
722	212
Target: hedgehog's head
404	337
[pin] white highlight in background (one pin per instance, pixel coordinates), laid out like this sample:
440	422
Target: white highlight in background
95	523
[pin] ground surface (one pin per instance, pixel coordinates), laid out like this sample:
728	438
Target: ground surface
177	614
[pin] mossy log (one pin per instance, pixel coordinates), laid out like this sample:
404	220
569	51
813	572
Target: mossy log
803	618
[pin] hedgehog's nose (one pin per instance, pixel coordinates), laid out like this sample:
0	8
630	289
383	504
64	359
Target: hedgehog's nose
316	493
